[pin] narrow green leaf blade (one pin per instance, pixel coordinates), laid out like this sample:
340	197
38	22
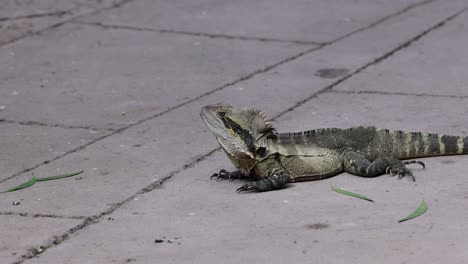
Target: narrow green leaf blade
351	194
22	186
58	176
419	211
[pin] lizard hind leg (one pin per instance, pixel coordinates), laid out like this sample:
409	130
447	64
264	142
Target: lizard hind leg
359	165
276	179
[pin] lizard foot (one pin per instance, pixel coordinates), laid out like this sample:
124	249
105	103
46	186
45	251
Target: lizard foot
400	170
223	174
277	179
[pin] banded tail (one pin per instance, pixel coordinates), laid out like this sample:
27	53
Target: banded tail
408	145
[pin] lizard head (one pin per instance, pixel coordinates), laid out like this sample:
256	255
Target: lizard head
237	130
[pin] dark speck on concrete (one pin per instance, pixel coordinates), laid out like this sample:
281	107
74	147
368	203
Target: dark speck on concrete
317	226
447	161
331	73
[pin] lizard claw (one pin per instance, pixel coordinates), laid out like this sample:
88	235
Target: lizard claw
247	187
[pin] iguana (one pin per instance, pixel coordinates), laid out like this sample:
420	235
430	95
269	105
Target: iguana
275	159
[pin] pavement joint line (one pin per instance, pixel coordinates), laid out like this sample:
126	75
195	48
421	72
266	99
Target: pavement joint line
95	219
39	215
400	93
385	18
56	25
56	240
197	34
36	123
36	15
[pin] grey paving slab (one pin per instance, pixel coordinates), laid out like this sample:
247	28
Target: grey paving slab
433	65
115	170
319	20
88	76
207	222
24	146
20	17
20	234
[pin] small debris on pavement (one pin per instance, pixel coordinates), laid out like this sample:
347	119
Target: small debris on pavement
170	241
39	250
58	239
331	73
16	203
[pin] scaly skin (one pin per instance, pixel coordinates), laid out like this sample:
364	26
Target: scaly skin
274	159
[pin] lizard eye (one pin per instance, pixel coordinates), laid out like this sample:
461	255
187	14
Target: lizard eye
221	114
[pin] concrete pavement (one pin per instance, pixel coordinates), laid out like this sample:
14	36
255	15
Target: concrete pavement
115	88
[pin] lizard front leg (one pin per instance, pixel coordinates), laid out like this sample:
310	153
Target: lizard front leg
276	179
359	165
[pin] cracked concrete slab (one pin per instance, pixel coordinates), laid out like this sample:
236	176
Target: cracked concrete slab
316	21
22	17
91	76
417	69
20	234
25	146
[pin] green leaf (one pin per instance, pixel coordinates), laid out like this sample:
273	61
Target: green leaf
351	194
419	211
58	176
34	180
22	186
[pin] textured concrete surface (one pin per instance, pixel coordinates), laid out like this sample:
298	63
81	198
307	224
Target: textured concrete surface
145	73
422	66
24	232
21	18
115	88
36	144
303	21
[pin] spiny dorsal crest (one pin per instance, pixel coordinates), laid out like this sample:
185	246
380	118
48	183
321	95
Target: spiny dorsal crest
258	122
